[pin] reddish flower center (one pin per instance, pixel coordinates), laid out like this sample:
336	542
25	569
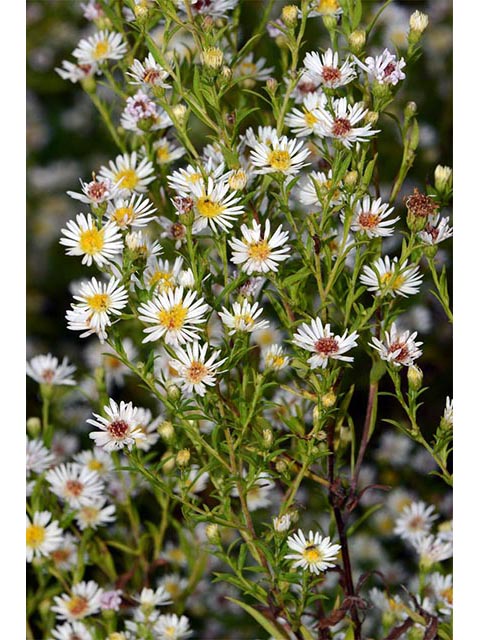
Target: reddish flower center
307	87
341	127
403	353
151	75
326	346
48	375
97	190
74	487
177	230
118	428
368	220
331	74
389	69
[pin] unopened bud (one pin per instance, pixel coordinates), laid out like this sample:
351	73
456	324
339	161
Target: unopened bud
443	178
141	12
186	279
328	400
414	377
166	430
226	72
238	180
267	438
418	22
290	15
282	523
357	40
371	117
351	178
281	466
271	85
330	22
212	57
168	462
183	457
212	533
89	84
179	112
410	109
173	392
34	426
381	90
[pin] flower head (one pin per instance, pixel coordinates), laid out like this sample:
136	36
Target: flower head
194	369
313	553
320	341
42	537
45	369
371	218
100	47
84	238
119	429
257	252
398	348
387	277
83	601
281	156
326	70
385	68
243	317
75	484
128	174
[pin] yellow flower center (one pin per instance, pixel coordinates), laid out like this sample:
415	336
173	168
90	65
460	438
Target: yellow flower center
388	279
35	535
259	250
123	215
279	160
170	631
91	241
209	208
327	6
101	49
193	178
130	179
163	154
276	361
99	302
173	318
77	606
172	589
95	465
310	119
112	363
447	594
163	280
90	514
244	320
196	372
176	555
312	554
248	68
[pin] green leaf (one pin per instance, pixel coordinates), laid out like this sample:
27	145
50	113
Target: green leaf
267	624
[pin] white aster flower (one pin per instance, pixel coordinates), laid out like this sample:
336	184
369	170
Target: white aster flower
95	515
142	114
148	426
65	556
98	355
175	231
275	358
173	316
252	70
214	205
415	520
160	275
324	8
326	70
442	591
194	369
45	369
84	238
75	484
243	317
258	252
148	600
42	537
119	429
173	584
436	230
258	495
398	348
370	218
71	631
127	175
83	601
282	523
385	68
148	74
136	211
321	183
304	87
282	156
96	460
266	135
183	180
95	192
315	553
213	8
387	277
170	626
304	121
142	244
75	72
431	549
39	458
320	341
341	123
97	301
100	47
167	151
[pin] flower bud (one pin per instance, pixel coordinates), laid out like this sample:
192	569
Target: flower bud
141	12
290	15
282	523
186	279
414	377
410	109
89	84
267	438
350	179
168	462
371	117
281	466
173	392
357	40
34	426
183	457
179	112
271	85
330	22
238	180
226	72
328	400
166	430
418	22
212	57
212	533
443	178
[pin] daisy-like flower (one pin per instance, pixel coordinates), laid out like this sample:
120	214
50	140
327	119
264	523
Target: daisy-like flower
95	514
213	8
214	206
341	123
39	458
167	151
282	156
84	238
415	520
119	429
398	348
127	175
175	231
282	523
65	556
387	277
92	10
370	218
274	358
313	553
148	426
148	74
148	600
266	135
326	70
173	316
195	371
304	121
170	626
97	301
442	591
252	70
100	47
75	72
142	114
142	245
45	369
111	600
42	537
258	252
258	495
436	230
95	460
324	8
243	317
98	355
83	601
95	192
320	341
183	180
385	68
135	212
159	274
321	183
173	584
304	87
71	631
75	484
431	549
